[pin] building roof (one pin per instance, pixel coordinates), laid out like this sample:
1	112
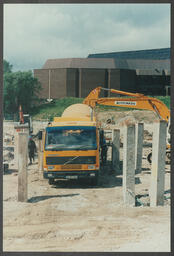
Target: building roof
80	63
145	64
109	63
160	54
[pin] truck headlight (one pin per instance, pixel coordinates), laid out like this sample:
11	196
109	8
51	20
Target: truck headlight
91	167
50	167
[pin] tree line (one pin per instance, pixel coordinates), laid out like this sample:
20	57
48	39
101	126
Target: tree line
19	88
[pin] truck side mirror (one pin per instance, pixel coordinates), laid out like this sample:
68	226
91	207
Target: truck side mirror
40	135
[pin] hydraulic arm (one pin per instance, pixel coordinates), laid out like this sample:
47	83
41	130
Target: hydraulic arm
135	100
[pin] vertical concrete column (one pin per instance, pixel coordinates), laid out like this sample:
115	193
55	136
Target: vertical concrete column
80	82
109	82
40	160
129	165
18	128
27	132
158	164
49	84
22	163
16	150
139	134
41	152
116	150
39	155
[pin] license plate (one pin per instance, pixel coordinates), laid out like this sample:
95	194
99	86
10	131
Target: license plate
71	166
72	177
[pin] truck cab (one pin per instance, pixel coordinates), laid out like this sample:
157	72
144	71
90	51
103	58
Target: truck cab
71	149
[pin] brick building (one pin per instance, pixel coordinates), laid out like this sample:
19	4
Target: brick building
78	76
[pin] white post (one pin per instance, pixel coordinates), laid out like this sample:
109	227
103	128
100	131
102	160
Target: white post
109	82
22	163
129	165
158	164
49	84
40	154
116	151
16	150
139	146
18	128
40	158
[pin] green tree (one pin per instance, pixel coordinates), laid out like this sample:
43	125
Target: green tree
7	67
20	88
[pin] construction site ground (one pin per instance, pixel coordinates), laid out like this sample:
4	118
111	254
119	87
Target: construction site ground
75	216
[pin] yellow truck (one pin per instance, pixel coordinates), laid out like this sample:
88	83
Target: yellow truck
71	146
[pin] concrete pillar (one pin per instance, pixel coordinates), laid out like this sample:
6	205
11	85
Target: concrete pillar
116	151
80	82
16	150
40	153
18	128
167	88
40	156
39	146
49	84
139	134
109	82
22	167
129	165
158	164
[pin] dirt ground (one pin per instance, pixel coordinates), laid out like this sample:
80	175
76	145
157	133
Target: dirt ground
75	216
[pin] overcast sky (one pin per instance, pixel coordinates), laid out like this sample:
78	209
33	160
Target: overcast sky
34	33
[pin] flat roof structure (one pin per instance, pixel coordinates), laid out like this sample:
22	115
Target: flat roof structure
158	54
80	63
157	59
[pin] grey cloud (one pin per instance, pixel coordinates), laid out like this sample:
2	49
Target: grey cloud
34	33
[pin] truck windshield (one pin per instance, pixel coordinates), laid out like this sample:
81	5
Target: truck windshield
70	138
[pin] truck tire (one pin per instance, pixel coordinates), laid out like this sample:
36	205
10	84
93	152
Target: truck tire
168	157
94	181
51	181
149	158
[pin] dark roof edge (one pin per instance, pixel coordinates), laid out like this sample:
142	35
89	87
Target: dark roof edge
136	51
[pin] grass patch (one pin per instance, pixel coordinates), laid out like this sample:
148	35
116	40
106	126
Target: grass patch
164	99
50	110
55	108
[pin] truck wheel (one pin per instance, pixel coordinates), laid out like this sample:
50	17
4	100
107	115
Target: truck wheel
94	181
168	154
149	158
51	181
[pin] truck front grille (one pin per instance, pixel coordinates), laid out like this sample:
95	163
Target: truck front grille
71	167
70	160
